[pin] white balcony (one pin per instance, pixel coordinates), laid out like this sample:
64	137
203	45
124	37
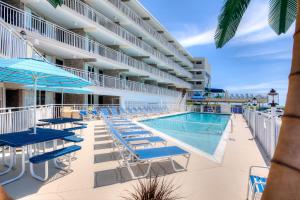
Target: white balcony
57	40
12	46
100	27
124	14
121	84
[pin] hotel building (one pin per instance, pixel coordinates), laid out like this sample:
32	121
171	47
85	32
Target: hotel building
118	45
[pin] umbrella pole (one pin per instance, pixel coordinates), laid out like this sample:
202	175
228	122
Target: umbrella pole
34	108
62	101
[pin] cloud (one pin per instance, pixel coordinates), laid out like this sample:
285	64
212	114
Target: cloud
267	54
199	39
254	28
280	85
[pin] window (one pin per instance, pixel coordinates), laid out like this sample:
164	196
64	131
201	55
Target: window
198	83
40	97
91	69
199	62
59	62
198	73
90	99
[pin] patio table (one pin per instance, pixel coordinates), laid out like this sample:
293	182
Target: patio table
28	138
60	121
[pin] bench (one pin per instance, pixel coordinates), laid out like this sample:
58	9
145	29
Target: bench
75	128
44	158
80	123
73	138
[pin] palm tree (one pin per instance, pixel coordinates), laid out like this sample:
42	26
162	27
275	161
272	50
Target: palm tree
284	176
55	3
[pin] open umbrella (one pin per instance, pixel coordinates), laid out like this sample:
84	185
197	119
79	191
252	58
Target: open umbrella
37	73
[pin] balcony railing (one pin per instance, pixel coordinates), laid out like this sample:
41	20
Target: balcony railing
11	46
121	84
27	21
139	21
87	11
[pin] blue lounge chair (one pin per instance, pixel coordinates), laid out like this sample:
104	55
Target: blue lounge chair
95	114
135	133
105	113
138	141
132	157
84	114
256	184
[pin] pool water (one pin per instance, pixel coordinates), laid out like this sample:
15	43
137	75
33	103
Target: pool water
200	130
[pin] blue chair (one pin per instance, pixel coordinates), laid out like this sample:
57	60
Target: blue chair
84	114
95	114
105	113
256	184
132	157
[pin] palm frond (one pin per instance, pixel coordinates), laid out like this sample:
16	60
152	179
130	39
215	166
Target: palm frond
282	14
229	20
55	3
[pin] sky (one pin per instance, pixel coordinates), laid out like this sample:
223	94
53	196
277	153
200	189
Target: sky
255	61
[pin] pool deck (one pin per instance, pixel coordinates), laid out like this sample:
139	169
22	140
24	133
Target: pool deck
96	174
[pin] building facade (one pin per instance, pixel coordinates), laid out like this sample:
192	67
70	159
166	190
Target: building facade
117	45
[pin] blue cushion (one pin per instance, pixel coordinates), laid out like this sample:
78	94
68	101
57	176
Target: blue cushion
54	154
80	123
161	152
75	128
129	133
149	139
126	124
73	138
260	187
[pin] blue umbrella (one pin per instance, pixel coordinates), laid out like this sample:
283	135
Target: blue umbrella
36	72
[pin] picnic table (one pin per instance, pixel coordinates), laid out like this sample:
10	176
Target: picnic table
25	139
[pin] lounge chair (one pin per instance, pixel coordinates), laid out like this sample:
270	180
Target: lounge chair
105	113
84	114
95	114
133	157
256	184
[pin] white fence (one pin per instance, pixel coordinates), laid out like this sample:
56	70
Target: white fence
264	128
224	109
21	118
44	28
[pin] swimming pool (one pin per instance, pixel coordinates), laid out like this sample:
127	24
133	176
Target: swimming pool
200	130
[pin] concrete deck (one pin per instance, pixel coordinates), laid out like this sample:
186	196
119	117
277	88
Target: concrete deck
96	174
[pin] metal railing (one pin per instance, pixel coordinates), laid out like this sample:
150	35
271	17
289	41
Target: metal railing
87	11
29	22
263	129
147	27
21	118
11	46
121	84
